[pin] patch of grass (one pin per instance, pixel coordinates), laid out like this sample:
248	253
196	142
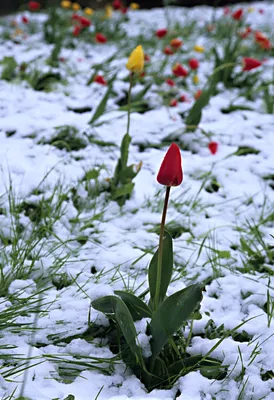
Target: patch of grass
66	138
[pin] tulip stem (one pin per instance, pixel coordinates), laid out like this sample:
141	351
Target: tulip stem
129	101
160	251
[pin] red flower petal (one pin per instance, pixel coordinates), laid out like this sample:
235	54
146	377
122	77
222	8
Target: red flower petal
170	172
213	147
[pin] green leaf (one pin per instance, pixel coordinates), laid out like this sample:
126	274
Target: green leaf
122	191
136	306
124	150
101	107
195	113
166	269
171	315
114	305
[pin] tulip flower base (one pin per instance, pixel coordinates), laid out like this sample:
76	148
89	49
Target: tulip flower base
136	202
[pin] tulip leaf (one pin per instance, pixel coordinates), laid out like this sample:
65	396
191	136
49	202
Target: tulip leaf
171	315
136	306
122	191
103	103
165	272
114	305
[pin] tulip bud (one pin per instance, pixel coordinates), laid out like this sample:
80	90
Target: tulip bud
136	60
170	172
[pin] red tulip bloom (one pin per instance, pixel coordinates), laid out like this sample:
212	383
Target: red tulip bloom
262	40
213	147
226	10
85	22
250	63
25	20
75	17
124	10
246	32
193	63
160	33
76	30
179	70
100	38
100	79
176	43
197	95
117	4
237	15
183	98
34	5
168	51
170	172
173	103
170	82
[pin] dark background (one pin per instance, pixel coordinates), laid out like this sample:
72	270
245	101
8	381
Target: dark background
13	5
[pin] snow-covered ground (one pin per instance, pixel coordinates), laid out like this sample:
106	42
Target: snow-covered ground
221	216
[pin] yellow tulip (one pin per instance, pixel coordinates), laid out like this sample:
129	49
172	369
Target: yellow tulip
198	48
76	6
136	60
108	11
66	4
251	9
134	6
195	79
88	11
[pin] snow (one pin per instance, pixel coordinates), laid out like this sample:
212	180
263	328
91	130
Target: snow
119	242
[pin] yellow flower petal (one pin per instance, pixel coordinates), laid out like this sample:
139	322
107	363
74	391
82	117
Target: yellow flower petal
136	60
134	6
108	11
195	79
76	6
66	4
198	48
88	11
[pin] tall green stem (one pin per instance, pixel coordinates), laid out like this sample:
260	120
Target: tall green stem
129	101
160	251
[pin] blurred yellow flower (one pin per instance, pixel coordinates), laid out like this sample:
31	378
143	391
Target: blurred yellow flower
76	6
198	48
136	60
66	4
134	6
88	11
108	11
250	9
195	79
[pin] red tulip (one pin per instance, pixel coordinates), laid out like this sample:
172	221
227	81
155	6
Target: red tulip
25	20
193	63
100	79
246	32
226	10
183	98
170	82
117	4
176	43
213	147
250	63
173	103
160	33
124	10
170	172
262	40
237	15
34	5
76	30
85	22
100	38
147	58
168	51
197	95
75	17
179	70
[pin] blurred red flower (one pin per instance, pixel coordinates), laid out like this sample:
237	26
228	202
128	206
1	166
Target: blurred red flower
100	38
170	172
